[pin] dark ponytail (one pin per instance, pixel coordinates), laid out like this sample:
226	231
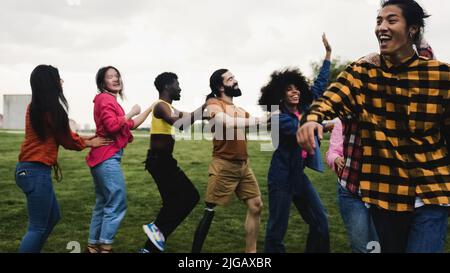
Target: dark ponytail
211	96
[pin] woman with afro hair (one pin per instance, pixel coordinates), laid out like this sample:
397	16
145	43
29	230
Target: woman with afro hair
289	91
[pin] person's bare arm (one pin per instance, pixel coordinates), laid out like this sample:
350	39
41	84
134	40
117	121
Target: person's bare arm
178	119
135	110
191	117
142	117
163	111
221	118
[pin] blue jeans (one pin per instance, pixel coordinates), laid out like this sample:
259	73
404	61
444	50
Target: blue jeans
110	201
310	207
428	230
421	231
34	179
357	220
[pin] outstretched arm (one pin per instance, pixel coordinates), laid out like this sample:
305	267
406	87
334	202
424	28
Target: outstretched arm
338	101
113	122
320	84
180	120
222	118
143	116
189	118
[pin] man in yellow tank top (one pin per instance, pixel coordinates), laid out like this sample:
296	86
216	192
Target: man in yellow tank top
179	196
229	171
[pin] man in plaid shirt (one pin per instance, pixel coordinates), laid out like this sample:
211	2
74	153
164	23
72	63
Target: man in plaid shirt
402	108
344	157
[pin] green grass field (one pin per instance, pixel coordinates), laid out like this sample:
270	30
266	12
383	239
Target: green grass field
76	197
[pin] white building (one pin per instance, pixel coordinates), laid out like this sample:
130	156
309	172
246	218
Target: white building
14	110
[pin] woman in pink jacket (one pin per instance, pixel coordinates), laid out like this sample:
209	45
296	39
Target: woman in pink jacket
109	182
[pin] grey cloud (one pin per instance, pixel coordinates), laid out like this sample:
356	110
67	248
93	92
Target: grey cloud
190	37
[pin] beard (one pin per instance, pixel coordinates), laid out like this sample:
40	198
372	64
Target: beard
232	92
176	96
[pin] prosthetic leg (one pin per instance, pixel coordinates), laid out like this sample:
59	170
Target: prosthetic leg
203	227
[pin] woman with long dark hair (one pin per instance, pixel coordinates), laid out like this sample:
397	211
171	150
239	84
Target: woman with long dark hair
47	127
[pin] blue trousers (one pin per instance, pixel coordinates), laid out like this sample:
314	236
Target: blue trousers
110	200
34	179
310	207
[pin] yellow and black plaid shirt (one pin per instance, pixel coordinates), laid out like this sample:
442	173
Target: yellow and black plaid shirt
404	114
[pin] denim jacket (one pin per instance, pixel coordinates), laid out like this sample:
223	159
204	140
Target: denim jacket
286	167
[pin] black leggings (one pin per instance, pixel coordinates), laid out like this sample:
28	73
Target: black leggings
179	196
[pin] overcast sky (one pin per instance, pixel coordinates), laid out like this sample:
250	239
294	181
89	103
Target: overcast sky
192	38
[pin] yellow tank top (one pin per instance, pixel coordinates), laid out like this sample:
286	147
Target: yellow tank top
159	126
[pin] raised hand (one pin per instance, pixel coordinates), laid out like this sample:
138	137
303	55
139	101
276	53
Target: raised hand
327	46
